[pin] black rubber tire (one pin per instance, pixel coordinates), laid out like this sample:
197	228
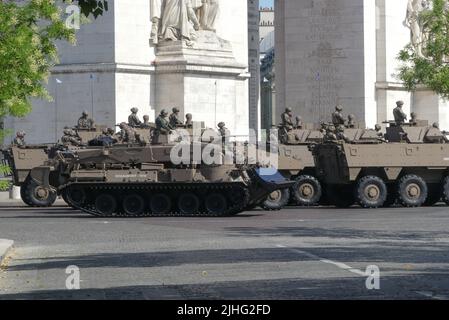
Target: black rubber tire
24	197
30	198
133	205
216	204
445	190
340	196
371	192
434	195
418	185
278	203
106	204
189	203
160	204
307	191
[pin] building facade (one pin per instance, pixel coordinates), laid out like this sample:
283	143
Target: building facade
331	52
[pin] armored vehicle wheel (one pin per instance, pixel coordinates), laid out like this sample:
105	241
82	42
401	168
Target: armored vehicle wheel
216	204
371	192
446	190
133	205
25	199
106	204
307	191
434	195
341	196
412	191
276	200
160	204
36	195
188	204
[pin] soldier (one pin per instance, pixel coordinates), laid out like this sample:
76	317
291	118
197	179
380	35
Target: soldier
341	133
399	116
162	124
70	138
85	122
128	134
19	140
413	118
133	119
299	124
223	131
189	122
351	121
286	119
337	116
174	119
146	122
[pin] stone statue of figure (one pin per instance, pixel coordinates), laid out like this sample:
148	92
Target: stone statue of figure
156	16
179	21
414	23
207	12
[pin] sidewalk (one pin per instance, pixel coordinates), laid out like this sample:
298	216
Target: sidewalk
5	246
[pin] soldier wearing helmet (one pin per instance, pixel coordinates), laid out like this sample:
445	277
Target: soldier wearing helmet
286	118
133	119
351	121
19	140
414	119
399	116
189	122
162	124
299	124
70	138
337	116
85	122
174	119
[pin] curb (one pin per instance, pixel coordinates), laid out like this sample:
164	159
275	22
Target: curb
5	246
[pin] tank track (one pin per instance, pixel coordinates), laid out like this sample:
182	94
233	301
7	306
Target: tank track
237	194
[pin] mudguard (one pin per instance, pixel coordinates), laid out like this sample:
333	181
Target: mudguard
42	175
266	181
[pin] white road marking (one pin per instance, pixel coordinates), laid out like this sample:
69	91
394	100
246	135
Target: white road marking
327	261
431	295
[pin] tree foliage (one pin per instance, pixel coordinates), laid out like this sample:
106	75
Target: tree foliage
429	66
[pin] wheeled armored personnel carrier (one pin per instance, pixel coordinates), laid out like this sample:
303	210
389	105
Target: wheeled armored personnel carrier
296	163
144	180
408	165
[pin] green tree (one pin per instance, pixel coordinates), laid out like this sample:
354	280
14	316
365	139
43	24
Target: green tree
426	63
28	32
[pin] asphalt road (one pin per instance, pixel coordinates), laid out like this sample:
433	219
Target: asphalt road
316	253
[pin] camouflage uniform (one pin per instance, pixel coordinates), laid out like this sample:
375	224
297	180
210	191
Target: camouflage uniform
162	124
337	116
351	121
174	119
399	116
85	122
70	138
189	122
133	119
286	119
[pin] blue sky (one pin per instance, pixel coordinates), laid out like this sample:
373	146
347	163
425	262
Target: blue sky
266	3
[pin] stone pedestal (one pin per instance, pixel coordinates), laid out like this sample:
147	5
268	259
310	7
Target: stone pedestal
203	79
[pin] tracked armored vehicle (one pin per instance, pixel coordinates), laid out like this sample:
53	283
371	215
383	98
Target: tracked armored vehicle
409	165
142	180
296	163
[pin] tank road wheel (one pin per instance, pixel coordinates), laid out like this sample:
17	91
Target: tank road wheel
188	204
307	191
446	190
216	204
36	195
106	204
276	200
371	192
76	196
434	195
160	204
412	191
133	205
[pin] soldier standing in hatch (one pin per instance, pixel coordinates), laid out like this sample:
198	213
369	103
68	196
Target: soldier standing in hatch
162	124
70	138
399	116
146	122
351	121
337	116
414	119
299	124
19	140
286	119
174	119
189	121
85	122
133	119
